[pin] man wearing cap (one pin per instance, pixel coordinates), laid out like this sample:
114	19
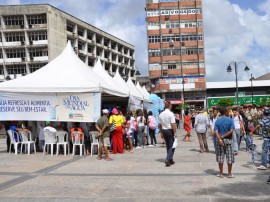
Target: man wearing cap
167	127
264	123
117	134
49	127
102	126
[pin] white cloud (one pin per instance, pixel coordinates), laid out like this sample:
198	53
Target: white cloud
232	33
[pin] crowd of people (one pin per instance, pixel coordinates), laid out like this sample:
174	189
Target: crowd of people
228	127
118	133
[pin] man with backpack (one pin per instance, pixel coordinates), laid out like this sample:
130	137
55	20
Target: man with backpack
265	125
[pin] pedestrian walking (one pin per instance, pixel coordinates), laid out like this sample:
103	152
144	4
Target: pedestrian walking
224	128
265	125
187	126
213	120
167	127
201	124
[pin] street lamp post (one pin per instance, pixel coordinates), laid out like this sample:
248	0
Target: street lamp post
252	92
229	69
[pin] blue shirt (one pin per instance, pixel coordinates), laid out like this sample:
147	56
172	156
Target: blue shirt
223	125
14	128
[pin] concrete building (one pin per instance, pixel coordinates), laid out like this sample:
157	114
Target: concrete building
176	50
33	35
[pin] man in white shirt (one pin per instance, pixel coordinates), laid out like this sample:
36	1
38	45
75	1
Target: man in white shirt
168	131
238	124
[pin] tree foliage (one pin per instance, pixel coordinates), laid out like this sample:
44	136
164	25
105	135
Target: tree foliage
225	102
182	107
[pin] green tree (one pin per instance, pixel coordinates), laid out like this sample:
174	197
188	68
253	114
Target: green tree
225	102
181	107
263	102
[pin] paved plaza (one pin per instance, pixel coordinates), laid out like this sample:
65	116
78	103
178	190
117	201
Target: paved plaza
140	176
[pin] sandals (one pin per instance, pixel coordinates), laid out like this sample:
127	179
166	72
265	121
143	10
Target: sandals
230	176
109	159
220	176
99	158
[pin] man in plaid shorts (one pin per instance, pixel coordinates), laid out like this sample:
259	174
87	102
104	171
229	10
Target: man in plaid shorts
224	128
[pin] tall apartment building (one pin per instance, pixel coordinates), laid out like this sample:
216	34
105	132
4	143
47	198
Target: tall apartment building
176	50
33	35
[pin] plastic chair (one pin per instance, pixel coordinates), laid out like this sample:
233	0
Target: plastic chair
78	140
27	139
62	139
94	140
50	139
13	141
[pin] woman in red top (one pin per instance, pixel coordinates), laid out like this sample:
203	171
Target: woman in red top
187	126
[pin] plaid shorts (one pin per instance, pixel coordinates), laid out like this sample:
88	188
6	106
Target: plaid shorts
226	150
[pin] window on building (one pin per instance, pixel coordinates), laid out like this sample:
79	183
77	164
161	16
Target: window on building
38	52
91	62
168	52
170	38
153	23
89	35
14	20
114	57
98	39
126	61
90	48
70	27
113	45
192	51
106	42
131	53
80	31
1	70
16	69
14	36
170	66
37	19
82	58
152	12
107	67
15	53
154	52
154	39
99	52
114	68
37	36
80	46
172	25
120	59
35	67
106	54
1	54
120	48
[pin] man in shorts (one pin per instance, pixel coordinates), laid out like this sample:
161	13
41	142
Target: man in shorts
102	126
224	128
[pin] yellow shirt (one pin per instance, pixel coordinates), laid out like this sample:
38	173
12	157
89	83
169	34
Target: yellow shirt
117	118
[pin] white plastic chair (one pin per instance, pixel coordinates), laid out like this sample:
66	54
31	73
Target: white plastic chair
50	139
62	139
94	141
11	134
78	140
27	140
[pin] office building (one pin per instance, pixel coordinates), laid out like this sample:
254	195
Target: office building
176	50
33	35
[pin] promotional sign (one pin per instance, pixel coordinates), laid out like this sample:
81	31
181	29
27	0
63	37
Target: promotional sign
76	107
84	107
32	107
211	102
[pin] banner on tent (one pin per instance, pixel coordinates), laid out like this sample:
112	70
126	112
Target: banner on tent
84	107
18	106
135	103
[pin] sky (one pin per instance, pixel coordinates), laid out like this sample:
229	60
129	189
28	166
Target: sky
234	31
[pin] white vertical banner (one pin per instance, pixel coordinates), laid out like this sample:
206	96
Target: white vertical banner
28	106
78	107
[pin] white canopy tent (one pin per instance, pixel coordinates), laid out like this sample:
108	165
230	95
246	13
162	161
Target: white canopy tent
66	73
102	73
145	96
146	92
120	81
135	91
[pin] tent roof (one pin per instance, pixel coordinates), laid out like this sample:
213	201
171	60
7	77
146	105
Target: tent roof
103	74
66	73
145	96
145	91
133	89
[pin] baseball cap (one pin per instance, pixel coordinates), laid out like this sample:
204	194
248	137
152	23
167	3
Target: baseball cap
105	111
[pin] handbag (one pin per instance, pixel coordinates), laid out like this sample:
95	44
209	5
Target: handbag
113	126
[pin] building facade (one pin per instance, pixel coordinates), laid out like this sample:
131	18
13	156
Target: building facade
176	50
33	35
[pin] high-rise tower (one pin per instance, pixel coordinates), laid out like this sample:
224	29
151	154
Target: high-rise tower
176	50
